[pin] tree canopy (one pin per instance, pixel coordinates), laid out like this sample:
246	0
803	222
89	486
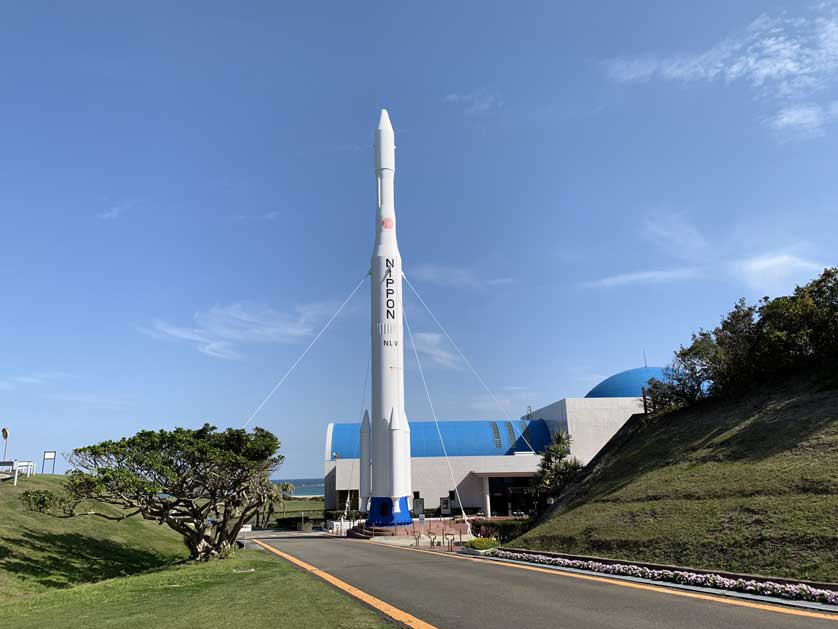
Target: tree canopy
556	470
202	483
754	343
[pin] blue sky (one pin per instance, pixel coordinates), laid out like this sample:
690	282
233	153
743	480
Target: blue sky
187	193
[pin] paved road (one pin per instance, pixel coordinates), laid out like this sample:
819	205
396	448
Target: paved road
453	592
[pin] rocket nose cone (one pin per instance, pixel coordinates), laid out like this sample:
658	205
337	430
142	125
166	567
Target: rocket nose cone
384	121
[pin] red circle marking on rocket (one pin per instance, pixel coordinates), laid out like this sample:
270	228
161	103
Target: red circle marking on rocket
387	223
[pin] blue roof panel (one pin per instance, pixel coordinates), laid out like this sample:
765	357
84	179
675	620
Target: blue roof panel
462	438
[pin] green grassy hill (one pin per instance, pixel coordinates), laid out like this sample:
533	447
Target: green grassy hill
62	570
747	486
39	552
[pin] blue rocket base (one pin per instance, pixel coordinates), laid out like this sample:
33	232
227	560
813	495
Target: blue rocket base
381	513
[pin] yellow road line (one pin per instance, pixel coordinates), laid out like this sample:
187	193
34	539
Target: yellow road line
393	612
638	586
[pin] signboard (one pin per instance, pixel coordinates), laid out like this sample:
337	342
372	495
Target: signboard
445	506
247	528
419	506
49	455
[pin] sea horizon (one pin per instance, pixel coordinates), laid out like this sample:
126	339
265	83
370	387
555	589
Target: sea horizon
304	487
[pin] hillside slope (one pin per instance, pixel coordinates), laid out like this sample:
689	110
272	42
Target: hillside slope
39	552
749	486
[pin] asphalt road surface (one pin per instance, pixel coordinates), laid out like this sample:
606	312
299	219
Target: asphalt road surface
454	592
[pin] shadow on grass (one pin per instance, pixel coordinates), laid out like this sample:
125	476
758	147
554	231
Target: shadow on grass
61	560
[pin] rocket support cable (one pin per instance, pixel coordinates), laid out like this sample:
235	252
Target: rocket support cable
303	355
436	422
504	411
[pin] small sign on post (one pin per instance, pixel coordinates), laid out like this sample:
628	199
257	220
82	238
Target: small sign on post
49	455
245	529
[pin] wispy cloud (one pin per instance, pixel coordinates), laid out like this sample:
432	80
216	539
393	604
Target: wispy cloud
476	103
674	234
644	277
219	331
455	277
39	378
799	119
116	210
96	399
434	346
512	402
775	273
783	58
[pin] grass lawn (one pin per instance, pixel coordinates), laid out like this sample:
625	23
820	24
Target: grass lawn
39	552
309	506
91	572
749	486
211	594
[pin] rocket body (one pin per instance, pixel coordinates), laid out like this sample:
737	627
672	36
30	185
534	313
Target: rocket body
389	440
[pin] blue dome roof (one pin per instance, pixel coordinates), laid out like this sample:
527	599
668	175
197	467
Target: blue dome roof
627	383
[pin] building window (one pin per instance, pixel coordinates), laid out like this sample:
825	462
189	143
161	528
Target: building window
496	434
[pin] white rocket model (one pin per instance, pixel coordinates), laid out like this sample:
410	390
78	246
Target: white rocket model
385	434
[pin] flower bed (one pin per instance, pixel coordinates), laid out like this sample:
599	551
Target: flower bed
794	591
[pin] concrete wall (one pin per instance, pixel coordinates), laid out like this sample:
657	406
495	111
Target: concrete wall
431	478
591	422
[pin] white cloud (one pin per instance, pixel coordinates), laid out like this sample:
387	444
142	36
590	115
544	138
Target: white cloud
454	276
219	331
782	58
115	211
477	103
801	120
434	346
644	277
775	273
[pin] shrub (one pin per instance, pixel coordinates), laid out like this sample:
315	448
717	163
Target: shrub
482	543
501	530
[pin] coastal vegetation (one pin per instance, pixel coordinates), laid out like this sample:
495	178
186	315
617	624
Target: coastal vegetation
754	344
203	484
736	468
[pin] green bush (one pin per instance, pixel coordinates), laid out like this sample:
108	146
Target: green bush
501	530
290	522
482	543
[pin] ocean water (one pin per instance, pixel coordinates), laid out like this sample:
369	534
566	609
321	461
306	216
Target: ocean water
305	486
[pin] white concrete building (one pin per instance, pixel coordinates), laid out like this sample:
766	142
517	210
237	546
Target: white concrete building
492	461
